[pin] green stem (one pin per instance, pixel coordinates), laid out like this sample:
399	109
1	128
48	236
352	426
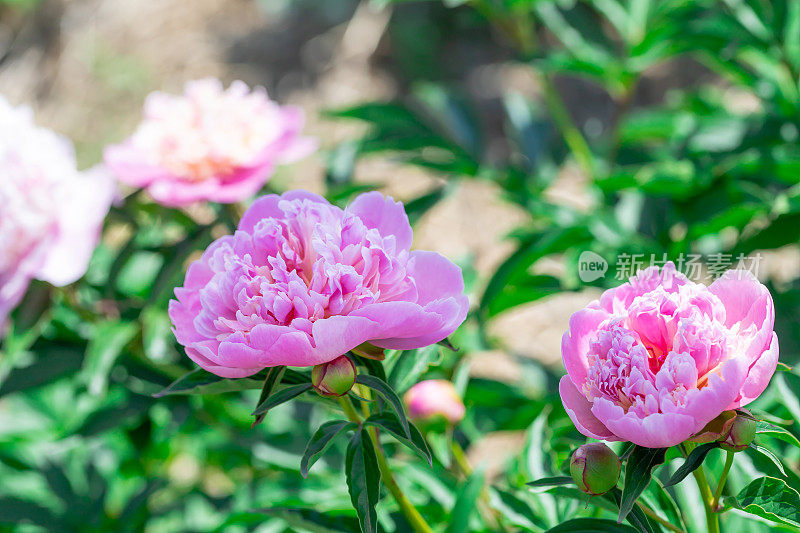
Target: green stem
652	514
572	135
415	519
349	410
722	479
712	519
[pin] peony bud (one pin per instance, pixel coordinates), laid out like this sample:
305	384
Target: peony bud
334	378
595	468
717	429
742	433
434	399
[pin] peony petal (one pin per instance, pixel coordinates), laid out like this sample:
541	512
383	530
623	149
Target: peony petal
575	342
417	326
579	410
81	216
759	375
267	207
129	165
436	276
739	291
658	430
384	214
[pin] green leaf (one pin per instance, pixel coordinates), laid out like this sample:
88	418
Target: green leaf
390	423
769	498
691	463
550	481
200	381
668	504
516	509
273	379
420	205
411	364
771	430
638	471
54	362
769	455
388	394
636	517
373	366
320	441
363	480
104	348
512	284
16	510
465	503
281	396
303	519
591	525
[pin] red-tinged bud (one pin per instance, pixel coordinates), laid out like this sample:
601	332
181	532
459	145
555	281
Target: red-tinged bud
595	468
334	378
742	433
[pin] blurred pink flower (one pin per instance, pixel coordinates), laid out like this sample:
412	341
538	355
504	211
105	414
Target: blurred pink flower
657	358
434	397
50	214
209	144
301	282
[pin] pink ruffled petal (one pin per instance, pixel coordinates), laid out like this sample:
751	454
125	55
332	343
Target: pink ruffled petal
580	412
759	375
385	215
575	342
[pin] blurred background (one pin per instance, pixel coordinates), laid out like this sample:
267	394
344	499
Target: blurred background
520	133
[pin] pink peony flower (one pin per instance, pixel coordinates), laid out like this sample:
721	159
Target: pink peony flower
657	358
432	398
50	214
301	282
209	144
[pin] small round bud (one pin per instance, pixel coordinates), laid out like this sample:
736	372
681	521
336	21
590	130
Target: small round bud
595	468
334	378
434	399
742	433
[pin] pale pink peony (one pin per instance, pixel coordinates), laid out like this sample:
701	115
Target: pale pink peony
301	282
50	214
434	397
209	144
657	358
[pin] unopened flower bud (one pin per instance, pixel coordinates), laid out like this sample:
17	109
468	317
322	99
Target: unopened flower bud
434	399
717	429
742	433
595	468
334	378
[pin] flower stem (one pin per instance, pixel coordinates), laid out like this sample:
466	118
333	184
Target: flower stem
349	410
722	479
712	520
415	519
652	514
